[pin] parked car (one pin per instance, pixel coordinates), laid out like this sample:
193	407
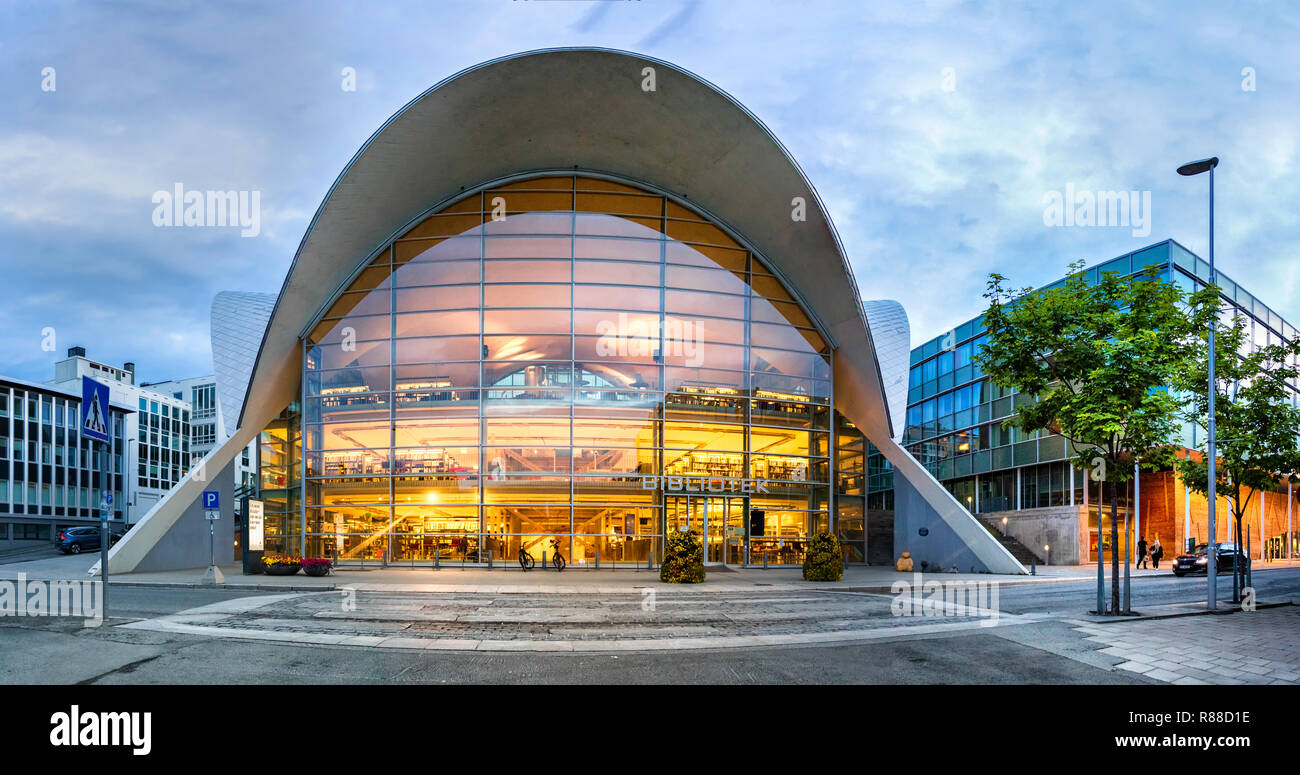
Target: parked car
1197	560
75	540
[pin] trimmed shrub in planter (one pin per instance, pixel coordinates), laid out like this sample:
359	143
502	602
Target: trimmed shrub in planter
823	562
683	559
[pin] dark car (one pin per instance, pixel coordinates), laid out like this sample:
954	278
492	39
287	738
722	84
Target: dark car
75	540
1197	561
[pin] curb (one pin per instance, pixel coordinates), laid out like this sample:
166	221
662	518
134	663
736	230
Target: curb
1093	619
235	587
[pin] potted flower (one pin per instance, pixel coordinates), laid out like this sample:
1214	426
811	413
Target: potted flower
316	566
281	564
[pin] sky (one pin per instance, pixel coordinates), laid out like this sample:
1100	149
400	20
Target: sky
937	134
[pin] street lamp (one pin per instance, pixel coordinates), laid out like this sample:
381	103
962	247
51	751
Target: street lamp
1189	169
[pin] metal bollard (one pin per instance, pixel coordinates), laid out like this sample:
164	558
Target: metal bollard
1250	565
490	551
650	560
437	558
765	559
1033	565
597	559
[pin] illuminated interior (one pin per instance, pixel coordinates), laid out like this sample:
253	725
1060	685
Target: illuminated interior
533	365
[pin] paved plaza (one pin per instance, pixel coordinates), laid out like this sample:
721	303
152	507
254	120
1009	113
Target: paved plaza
1256	647
402	624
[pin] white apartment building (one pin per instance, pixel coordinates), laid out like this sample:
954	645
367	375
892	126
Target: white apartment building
157	434
207	421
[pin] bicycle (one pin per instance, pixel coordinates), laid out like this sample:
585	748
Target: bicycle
526	560
557	559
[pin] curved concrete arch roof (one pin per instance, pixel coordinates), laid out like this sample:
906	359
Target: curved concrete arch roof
582	110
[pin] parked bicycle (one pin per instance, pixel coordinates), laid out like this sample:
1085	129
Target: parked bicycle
526	560
557	559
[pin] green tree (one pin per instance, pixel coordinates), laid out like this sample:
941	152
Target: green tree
1256	424
1098	358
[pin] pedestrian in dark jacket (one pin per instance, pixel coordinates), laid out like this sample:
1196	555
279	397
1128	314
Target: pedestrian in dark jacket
1157	551
1142	552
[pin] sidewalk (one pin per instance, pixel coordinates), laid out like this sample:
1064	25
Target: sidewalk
1256	648
510	580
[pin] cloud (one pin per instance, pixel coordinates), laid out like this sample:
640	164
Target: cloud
930	189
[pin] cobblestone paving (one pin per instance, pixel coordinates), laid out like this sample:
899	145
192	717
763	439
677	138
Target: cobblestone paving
564	617
1255	647
561	621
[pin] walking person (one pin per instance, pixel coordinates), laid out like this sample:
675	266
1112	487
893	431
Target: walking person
1157	551
1142	552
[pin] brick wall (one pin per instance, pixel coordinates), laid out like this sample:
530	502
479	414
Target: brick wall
1165	503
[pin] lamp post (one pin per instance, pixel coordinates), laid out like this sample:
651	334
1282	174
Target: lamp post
1189	169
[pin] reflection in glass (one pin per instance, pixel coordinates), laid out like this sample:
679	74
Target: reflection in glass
495	384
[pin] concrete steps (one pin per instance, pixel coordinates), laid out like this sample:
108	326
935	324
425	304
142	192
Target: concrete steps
1018	550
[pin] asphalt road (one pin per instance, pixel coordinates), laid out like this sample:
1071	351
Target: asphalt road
1045	652
46	655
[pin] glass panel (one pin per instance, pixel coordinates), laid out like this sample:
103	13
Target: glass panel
526	295
440	298
504	393
713	280
710	436
534	271
622	249
535	519
706	256
438	250
510	321
437	273
616	273
690	303
433	381
616	226
432	349
353	328
360	303
613	297
528	223
359	380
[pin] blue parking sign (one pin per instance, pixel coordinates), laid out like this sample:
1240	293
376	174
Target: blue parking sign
211	499
94	410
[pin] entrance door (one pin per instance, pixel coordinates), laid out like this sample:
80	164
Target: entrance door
720	521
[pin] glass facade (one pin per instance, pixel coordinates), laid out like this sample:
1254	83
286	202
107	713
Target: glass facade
560	361
955	414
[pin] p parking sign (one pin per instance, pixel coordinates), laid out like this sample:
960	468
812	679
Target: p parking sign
211	504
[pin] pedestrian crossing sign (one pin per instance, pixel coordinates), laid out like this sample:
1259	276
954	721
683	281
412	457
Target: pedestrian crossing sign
94	410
